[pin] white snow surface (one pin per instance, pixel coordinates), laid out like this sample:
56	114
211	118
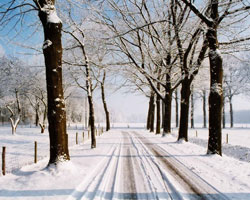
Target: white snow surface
52	16
122	166
46	44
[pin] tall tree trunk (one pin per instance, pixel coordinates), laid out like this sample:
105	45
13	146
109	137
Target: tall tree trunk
86	112
223	114
168	109
231	112
92	121
37	115
158	115
168	106
91	105
176	109
152	118
104	103
216	90
52	50
204	109
150	108
158	111
192	107
185	95
163	113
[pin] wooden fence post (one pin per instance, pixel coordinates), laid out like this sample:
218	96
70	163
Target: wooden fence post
3	160
196	133
227	138
83	136
35	155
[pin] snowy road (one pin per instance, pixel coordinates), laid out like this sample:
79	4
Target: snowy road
127	164
136	168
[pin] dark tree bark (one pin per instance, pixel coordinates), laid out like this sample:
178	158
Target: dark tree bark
223	114
150	109
168	110
216	90
189	68
204	99
192	108
185	96
162	113
37	114
216	72
91	104
152	118
52	50
158	112
176	109
168	105
104	103
231	112
92	121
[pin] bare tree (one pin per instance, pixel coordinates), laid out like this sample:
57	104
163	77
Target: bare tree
13	12
216	70
104	102
233	82
15	116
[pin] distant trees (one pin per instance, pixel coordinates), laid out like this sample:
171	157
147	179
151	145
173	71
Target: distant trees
234	82
13	85
158	46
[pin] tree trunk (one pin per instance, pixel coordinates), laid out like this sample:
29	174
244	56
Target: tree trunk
158	115
185	95
204	109
92	121
231	112
223	114
216	90
105	104
168	106
152	118
176	109
91	104
192	108
167	118
52	50
163	113
37	115
150	109
42	126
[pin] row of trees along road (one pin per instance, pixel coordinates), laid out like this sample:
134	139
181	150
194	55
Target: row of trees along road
160	44
166	42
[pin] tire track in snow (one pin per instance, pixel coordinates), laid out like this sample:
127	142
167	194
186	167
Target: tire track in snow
140	184
97	183
162	187
191	182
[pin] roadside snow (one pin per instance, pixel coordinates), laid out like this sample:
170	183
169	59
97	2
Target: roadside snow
87	166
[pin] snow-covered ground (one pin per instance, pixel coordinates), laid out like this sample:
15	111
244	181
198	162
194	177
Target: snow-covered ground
127	164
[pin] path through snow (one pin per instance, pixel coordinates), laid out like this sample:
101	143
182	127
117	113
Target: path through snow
132	164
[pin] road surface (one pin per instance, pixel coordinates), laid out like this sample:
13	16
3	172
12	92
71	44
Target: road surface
136	168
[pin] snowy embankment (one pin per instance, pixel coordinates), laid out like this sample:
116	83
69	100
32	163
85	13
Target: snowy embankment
127	164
